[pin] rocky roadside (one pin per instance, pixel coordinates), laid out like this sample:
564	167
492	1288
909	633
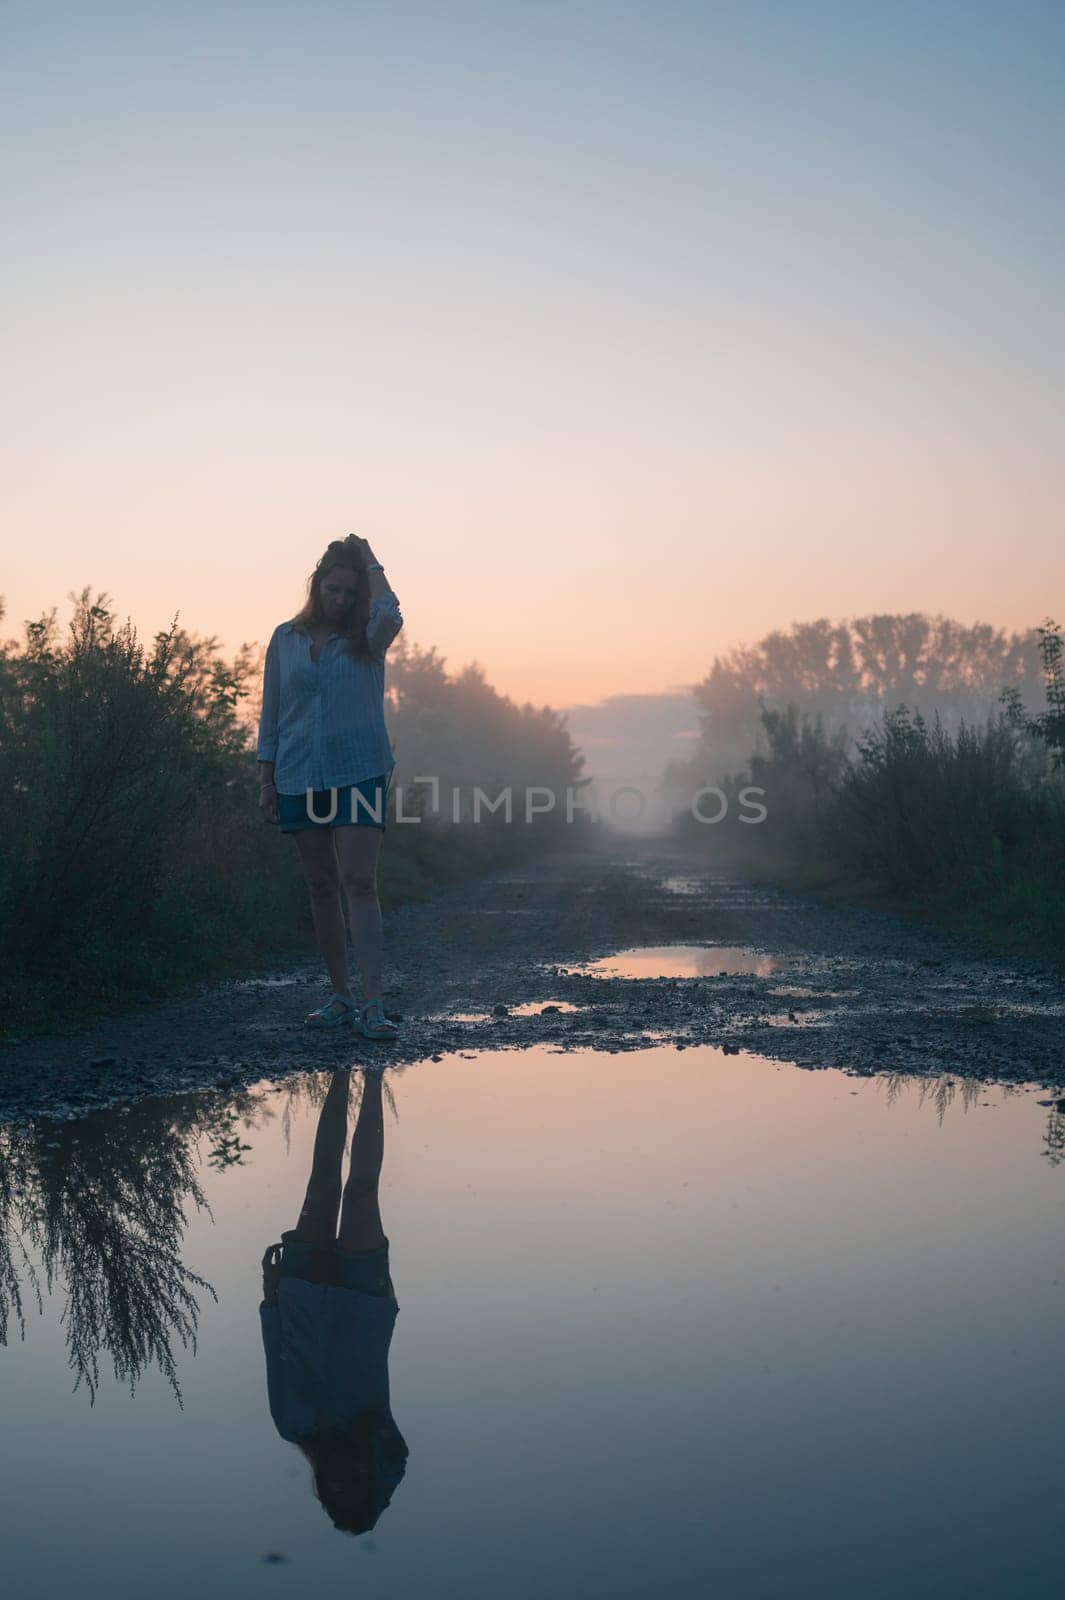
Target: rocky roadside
485	965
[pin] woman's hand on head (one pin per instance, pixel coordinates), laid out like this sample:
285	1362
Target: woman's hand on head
362	546
271	1272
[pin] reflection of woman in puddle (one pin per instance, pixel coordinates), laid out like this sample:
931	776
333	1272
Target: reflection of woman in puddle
327	1316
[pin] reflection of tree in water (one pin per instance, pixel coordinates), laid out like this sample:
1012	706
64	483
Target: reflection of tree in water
310	1089
1054	1138
100	1205
942	1092
12	1248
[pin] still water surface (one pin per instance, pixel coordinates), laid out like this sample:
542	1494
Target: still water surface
680	961
670	1322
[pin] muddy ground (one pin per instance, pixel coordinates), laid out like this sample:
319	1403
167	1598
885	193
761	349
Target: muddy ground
866	991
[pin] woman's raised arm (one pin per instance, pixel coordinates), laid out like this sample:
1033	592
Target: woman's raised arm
385	618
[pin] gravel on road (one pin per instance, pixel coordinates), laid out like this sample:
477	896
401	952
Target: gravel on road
487	964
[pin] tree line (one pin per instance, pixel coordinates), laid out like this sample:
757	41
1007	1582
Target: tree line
956	810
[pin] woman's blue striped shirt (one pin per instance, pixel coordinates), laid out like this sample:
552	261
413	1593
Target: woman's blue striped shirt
323	722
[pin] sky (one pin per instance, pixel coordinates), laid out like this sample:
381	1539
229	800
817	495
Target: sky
624	332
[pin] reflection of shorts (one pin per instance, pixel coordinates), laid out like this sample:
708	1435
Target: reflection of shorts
296	811
365	1270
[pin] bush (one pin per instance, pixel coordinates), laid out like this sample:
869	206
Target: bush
920	809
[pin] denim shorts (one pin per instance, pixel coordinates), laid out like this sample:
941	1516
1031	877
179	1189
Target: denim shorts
365	1270
293	809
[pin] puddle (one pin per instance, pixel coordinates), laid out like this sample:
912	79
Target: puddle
536	1008
526	1008
678	961
461	1016
529	1008
669	1322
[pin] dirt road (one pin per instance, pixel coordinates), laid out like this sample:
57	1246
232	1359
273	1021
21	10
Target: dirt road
866	991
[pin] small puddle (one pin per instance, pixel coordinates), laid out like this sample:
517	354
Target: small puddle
528	1008
678	961
536	1008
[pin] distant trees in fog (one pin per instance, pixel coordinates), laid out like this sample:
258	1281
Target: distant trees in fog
851	672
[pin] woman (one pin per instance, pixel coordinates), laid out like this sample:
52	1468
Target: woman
327	1315
326	763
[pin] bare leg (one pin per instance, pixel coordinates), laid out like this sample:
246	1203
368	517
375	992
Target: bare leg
357	849
360	1215
318	859
318	1218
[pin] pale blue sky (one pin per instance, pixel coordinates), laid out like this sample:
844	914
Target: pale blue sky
624	332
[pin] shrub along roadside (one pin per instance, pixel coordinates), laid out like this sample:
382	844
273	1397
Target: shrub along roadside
135	858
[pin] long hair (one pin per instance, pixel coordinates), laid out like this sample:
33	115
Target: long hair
355	1472
341	553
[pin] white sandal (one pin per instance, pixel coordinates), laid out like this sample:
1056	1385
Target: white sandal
326	1017
377	1026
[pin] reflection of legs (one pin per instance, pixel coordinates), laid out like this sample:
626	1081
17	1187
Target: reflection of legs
360	1218
318	1219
